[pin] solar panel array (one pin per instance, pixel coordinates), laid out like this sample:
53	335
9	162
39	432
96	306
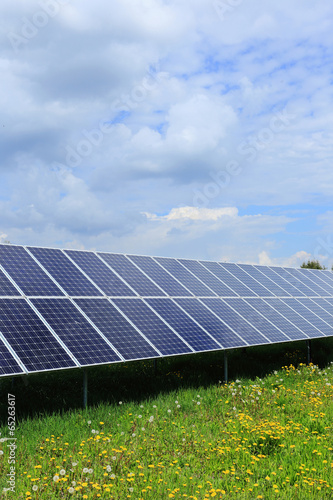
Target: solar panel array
63	309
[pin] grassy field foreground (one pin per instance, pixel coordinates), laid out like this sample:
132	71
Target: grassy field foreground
250	439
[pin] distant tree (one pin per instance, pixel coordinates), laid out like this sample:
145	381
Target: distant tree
313	264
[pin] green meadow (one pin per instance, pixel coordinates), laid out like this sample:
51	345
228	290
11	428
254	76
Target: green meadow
178	432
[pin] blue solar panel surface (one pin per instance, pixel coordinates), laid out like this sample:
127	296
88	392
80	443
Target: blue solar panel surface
8	364
310	316
289	328
100	274
213	325
87	345
161	336
234	320
169	284
122	335
183	275
183	324
199	270
26	273
69	277
186	306
30	339
231	281
247	279
132	275
6	287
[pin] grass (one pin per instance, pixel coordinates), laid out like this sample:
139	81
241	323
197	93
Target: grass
182	433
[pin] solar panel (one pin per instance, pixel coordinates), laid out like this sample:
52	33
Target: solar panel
289	289
128	341
268	283
302	290
322	278
217	328
8	364
183	275
169	284
100	273
26	273
183	324
301	276
132	275
30	339
79	336
231	281
310	316
63	309
158	333
316	306
201	272
295	317
289	328
247	279
69	277
6	287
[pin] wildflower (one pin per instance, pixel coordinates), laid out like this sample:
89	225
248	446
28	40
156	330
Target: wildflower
90	471
114	458
71	490
35	487
74	464
56	478
198	402
113	476
139	416
85	470
108	468
89	422
133	435
151	418
120	402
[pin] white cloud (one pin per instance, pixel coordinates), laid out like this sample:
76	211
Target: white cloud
185	93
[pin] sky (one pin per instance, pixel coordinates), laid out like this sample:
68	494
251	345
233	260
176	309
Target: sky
199	129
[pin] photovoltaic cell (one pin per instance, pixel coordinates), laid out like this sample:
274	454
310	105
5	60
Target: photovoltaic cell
318	277
246	279
191	282
8	364
156	331
302	290
26	273
6	287
183	324
122	335
160	276
315	289
199	270
100	274
310	316
213	325
323	276
325	304
84	342
275	317
31	340
275	289
258	321
282	283
295	317
132	275
64	272
233	283
315	305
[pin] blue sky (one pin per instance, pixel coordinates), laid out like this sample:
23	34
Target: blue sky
197	129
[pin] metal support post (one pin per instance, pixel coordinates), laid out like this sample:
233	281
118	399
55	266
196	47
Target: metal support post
309	351
85	389
225	367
